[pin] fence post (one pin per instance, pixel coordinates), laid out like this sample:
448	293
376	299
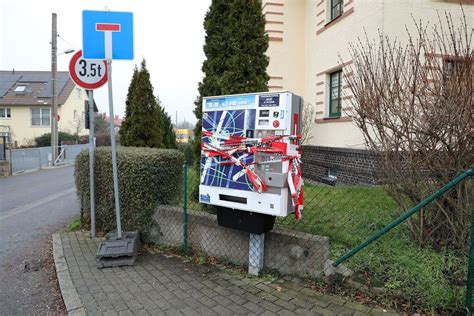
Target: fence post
39	159
185	205
470	270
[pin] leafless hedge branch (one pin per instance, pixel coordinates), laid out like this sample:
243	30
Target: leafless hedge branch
414	105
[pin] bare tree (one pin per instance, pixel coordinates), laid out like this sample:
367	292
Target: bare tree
414	105
77	125
307	122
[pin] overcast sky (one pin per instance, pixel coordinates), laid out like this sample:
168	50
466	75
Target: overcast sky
169	34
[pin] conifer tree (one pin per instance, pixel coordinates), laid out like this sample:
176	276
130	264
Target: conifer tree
169	136
143	124
235	47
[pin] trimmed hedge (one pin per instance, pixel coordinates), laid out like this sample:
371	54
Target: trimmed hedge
147	177
45	139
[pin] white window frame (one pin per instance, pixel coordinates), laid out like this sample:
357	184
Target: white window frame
41	117
78	93
329	16
7	113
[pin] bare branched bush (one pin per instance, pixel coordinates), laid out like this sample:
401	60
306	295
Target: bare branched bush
414	105
307	122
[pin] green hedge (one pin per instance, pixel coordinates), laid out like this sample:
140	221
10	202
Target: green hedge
45	139
147	177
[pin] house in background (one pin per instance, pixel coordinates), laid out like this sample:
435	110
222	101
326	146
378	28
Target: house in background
117	121
308	50
184	135
25	105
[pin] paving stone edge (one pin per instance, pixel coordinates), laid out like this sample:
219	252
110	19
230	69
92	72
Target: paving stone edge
71	299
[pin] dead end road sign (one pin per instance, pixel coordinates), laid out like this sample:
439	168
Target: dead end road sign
107	34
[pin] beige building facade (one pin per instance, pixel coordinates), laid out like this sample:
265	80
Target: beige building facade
25	106
308	51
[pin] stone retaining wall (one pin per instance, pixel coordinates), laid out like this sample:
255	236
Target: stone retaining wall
289	252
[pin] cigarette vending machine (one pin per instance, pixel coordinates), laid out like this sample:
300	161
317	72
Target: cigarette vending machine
251	158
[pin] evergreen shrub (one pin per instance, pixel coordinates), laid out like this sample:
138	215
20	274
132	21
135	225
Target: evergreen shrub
45	139
147	177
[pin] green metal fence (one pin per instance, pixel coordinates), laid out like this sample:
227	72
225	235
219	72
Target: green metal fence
397	271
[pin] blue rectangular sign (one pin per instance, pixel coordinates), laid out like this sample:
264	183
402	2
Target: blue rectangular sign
227	103
269	100
94	26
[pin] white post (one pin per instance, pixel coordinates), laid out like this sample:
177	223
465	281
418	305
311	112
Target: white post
108	56
256	253
90	95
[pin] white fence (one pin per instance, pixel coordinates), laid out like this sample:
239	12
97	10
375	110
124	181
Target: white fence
29	159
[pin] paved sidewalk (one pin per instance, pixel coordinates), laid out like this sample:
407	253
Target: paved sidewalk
168	285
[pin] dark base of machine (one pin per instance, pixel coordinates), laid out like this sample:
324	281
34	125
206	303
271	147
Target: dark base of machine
251	222
115	252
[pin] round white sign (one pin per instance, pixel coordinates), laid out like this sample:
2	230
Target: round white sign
88	73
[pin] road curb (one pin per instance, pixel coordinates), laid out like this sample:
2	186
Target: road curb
71	299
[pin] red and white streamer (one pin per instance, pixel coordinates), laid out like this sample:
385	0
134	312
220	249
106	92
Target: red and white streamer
231	145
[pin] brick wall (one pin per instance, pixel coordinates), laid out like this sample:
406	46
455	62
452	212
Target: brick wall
352	166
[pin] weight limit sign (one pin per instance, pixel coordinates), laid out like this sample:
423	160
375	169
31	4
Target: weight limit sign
88	73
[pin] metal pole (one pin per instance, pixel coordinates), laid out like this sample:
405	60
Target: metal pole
114	152
470	270
185	206
463	176
90	94
54	115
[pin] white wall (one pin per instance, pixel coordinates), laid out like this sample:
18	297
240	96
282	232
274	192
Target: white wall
310	50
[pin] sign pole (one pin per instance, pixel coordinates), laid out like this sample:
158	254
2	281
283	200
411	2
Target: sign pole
90	94
112	141
98	26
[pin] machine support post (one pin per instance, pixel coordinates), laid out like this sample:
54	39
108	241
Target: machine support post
256	253
185	206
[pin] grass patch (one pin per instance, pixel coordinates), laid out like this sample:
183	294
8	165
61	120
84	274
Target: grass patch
405	275
418	277
74	225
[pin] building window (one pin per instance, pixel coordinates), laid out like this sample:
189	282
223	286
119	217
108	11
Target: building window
335	94
23	89
40	117
5	113
78	93
20	89
336	8
452	69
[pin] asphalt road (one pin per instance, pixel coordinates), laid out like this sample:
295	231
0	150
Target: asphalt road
32	207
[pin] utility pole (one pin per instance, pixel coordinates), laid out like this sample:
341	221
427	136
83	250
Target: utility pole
54	99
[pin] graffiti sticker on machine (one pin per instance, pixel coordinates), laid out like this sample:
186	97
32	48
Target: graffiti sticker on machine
205	198
269	100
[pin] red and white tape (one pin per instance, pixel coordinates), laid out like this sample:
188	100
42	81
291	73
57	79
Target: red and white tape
230	145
